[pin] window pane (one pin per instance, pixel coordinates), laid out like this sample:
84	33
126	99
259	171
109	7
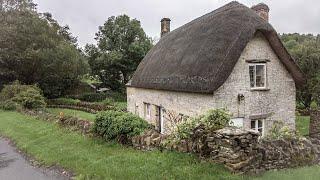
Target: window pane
253	124
251	72
259	123
260	79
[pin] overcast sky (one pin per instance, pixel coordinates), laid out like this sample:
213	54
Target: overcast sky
84	16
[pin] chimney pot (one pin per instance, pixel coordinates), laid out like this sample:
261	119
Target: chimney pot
262	10
165	26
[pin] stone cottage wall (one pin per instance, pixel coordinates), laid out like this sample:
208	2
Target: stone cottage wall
239	150
276	103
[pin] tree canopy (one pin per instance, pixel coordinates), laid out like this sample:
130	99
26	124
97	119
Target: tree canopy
35	49
121	45
306	51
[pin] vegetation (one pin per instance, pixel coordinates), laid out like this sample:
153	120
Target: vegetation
35	49
212	120
302	125
306	51
74	113
118	125
97	159
121	45
280	131
26	96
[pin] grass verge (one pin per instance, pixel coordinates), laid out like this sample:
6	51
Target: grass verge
95	159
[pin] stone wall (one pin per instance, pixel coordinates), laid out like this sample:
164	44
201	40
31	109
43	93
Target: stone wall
276	103
314	129
241	151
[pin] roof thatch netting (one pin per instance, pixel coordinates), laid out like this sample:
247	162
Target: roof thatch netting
200	55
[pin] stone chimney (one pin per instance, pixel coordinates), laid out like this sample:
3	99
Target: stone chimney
262	10
165	26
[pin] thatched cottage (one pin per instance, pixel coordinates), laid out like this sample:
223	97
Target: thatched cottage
230	58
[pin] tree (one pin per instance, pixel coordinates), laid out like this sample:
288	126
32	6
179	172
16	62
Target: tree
35	49
121	45
306	51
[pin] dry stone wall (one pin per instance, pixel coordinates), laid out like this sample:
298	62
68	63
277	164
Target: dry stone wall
241	151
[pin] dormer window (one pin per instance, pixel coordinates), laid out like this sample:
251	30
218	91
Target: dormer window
258	76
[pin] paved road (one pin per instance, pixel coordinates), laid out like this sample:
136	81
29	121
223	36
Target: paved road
14	167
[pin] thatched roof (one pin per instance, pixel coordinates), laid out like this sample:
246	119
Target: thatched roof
200	55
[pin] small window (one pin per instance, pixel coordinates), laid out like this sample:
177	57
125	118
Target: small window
136	109
258	125
258	75
147	110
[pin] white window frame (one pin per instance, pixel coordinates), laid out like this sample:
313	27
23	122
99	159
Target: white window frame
147	110
256	128
255	75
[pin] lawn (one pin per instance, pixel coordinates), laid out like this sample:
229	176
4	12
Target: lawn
75	113
92	158
302	124
96	159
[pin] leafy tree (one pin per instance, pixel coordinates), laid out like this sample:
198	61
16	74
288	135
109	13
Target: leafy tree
121	45
35	49
306	51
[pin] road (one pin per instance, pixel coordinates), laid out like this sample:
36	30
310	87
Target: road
13	166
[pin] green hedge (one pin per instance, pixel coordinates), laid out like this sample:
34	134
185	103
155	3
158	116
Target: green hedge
98	97
116	125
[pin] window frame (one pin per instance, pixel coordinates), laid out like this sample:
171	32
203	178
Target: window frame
256	125
147	110
255	75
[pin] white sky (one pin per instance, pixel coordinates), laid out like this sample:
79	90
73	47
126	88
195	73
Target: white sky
84	16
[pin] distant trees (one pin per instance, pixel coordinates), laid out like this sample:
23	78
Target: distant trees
121	45
306	51
35	49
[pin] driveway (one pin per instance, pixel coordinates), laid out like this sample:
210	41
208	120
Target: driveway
14	167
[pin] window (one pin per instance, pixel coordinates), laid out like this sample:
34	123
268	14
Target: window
258	75
147	110
136	109
258	125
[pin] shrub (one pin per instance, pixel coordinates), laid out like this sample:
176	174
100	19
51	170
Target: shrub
280	131
115	125
31	98
9	91
99	97
93	97
314	105
211	121
9	105
65	101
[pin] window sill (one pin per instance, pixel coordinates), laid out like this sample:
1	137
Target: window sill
259	89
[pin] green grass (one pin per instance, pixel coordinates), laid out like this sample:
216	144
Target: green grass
92	158
302	124
74	113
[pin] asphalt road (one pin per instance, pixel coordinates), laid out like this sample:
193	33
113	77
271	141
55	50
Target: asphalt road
13	166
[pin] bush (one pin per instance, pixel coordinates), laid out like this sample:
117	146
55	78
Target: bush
9	91
27	96
9	105
115	125
211	121
65	101
314	105
31	98
280	131
99	97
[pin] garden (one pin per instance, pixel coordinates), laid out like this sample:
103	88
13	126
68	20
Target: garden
98	154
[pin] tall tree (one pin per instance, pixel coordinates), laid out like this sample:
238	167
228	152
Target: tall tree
121	45
306	51
34	48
